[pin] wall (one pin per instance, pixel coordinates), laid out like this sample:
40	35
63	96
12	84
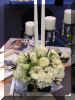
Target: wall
2	36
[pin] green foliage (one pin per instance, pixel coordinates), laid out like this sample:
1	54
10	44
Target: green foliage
69	37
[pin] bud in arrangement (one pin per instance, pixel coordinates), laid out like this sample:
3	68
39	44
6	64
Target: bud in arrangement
50	26
29	28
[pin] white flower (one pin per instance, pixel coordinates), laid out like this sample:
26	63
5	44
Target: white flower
65	55
33	57
60	73
35	72
25	66
49	69
45	79
40	66
17	73
44	61
26	54
52	53
41	51
20	75
21	58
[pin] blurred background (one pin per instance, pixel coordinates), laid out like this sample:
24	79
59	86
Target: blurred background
13	16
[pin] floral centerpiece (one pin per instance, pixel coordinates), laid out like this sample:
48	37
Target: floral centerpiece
39	68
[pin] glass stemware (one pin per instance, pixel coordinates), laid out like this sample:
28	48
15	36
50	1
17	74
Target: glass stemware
50	37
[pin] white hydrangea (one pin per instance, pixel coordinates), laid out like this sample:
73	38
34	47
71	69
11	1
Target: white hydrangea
60	73
45	79
56	62
43	62
41	51
42	84
20	75
50	70
35	72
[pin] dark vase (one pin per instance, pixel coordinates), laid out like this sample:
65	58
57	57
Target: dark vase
31	89
47	89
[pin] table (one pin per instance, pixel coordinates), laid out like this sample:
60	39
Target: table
15	46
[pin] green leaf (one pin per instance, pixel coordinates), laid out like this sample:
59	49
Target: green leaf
69	37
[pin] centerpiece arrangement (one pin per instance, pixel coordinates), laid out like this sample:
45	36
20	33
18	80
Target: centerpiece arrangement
39	68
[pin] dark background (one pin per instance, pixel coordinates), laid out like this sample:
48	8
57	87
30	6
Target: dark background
13	17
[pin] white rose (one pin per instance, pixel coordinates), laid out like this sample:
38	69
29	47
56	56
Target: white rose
33	57
44	61
41	51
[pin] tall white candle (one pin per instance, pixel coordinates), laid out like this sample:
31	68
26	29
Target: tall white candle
35	23
43	23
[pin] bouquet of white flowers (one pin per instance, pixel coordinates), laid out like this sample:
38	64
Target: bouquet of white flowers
39	67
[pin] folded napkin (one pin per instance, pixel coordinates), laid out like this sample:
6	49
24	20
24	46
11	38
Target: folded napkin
2	56
1	90
1	59
2	49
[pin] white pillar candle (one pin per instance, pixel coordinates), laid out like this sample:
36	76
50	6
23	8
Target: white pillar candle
50	23
35	23
29	28
43	23
69	16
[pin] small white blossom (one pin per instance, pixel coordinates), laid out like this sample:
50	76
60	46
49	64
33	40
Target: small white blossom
33	57
41	51
44	61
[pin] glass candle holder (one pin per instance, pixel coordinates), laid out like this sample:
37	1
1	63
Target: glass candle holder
50	36
29	30
50	28
69	23
29	33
